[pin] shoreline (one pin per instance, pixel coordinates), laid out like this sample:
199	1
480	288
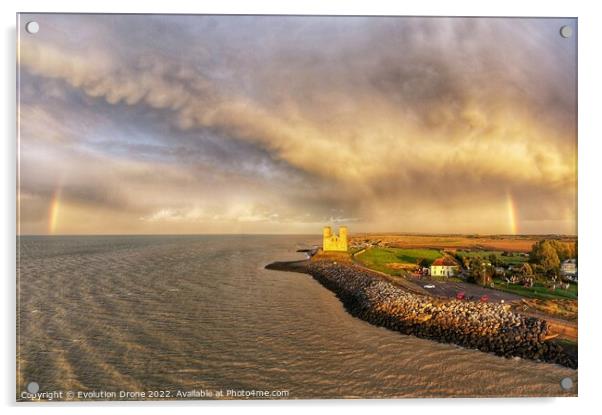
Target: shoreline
488	327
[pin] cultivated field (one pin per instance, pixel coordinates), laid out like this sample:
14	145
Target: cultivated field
508	243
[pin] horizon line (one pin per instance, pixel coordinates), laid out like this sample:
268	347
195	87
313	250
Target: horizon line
355	234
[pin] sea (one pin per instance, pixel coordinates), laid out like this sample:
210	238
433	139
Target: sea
199	317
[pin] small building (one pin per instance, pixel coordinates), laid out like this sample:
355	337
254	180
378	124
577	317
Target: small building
334	242
445	267
500	271
568	268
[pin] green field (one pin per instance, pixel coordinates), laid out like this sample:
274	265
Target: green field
507	260
538	291
378	258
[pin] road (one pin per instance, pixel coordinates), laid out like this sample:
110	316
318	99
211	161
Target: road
450	289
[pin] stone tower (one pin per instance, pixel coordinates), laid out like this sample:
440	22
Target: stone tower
333	242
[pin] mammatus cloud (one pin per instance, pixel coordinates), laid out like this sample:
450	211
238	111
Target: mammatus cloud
399	124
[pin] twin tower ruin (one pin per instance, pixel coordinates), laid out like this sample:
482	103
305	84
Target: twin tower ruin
334	242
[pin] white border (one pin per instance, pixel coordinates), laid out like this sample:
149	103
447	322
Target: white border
590	206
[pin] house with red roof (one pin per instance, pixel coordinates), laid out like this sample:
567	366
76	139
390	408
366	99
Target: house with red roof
444	267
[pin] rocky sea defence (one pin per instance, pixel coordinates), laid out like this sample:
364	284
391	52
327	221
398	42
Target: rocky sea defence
489	327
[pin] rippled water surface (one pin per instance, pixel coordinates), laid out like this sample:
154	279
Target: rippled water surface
201	312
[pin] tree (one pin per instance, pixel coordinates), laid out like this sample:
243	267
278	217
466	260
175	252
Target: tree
494	259
422	262
526	270
549	258
563	249
537	269
544	253
480	273
485	276
535	254
466	262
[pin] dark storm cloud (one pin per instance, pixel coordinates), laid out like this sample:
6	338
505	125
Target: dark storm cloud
310	116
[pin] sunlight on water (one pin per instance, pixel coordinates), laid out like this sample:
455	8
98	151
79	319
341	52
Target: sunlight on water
185	312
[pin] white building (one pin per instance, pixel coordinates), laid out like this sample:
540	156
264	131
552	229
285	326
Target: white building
568	268
500	271
444	267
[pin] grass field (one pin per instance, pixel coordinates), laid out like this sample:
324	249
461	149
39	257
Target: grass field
537	291
508	260
379	258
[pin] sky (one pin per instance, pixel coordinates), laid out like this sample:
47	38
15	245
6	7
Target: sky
151	124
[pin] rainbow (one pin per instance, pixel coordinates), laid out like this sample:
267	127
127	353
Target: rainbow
511	207
53	212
